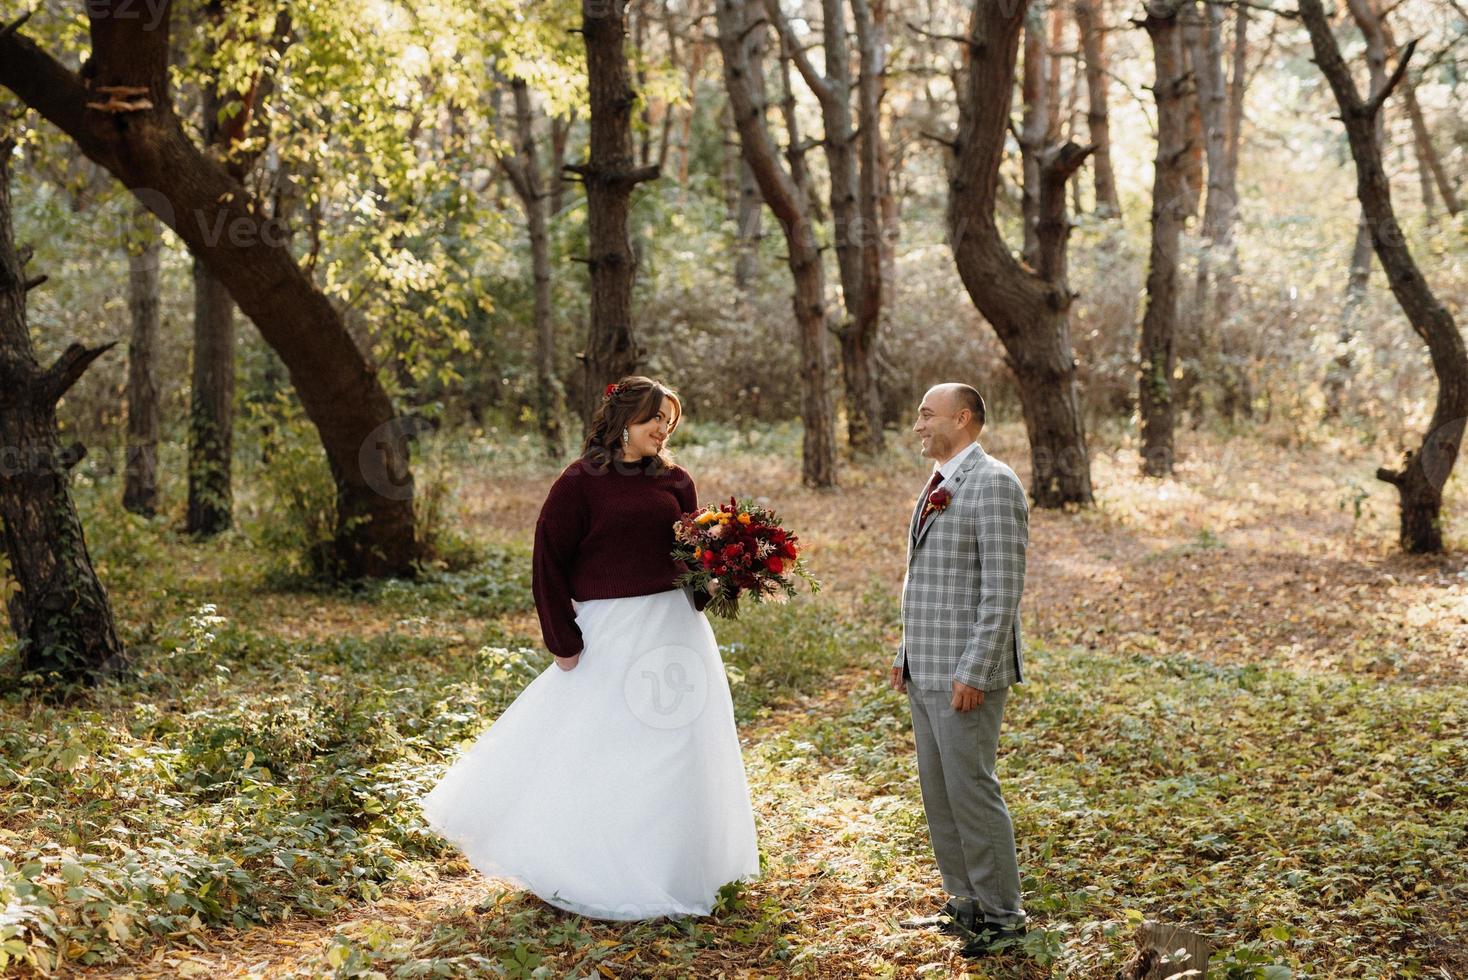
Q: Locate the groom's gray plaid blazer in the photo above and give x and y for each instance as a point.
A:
(965, 574)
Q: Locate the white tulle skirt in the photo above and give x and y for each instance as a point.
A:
(615, 790)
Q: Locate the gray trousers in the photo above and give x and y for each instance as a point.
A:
(973, 837)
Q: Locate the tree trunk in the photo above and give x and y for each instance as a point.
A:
(786, 194)
(60, 613)
(1091, 24)
(1213, 302)
(863, 393)
(1033, 129)
(560, 135)
(1028, 308)
(1420, 482)
(1169, 212)
(211, 406)
(854, 214)
(211, 397)
(751, 207)
(1358, 281)
(140, 480)
(1238, 85)
(610, 175)
(1193, 159)
(137, 136)
(525, 177)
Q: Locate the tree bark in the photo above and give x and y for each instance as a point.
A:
(1194, 160)
(524, 173)
(751, 207)
(60, 613)
(785, 191)
(863, 391)
(1238, 85)
(1034, 126)
(610, 175)
(1420, 482)
(211, 407)
(121, 116)
(1169, 212)
(211, 396)
(1028, 308)
(140, 480)
(1090, 22)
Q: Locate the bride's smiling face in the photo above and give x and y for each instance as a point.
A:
(647, 438)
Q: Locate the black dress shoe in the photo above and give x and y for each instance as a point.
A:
(991, 938)
(949, 920)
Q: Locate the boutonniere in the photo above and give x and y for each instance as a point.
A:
(938, 501)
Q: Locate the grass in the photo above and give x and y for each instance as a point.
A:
(246, 804)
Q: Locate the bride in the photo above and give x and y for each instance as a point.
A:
(613, 786)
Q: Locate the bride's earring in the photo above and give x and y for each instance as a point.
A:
(626, 437)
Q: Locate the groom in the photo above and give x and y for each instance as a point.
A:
(960, 652)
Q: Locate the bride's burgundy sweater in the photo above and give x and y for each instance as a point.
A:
(606, 532)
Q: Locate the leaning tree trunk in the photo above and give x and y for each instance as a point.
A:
(122, 118)
(60, 613)
(1091, 26)
(610, 175)
(785, 192)
(1169, 212)
(1420, 482)
(1028, 308)
(140, 473)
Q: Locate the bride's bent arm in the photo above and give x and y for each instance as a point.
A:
(558, 534)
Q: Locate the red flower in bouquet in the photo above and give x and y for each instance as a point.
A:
(738, 549)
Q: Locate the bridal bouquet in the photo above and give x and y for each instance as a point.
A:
(738, 548)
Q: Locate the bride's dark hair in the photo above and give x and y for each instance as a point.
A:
(633, 400)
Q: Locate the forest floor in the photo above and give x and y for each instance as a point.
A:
(1242, 713)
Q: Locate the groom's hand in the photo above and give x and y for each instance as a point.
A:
(568, 663)
(897, 681)
(966, 698)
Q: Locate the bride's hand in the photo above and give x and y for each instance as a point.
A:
(567, 663)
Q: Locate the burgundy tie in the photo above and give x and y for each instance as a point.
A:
(923, 502)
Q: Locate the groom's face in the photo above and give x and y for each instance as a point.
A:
(937, 425)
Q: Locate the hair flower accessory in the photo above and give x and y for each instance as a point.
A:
(611, 390)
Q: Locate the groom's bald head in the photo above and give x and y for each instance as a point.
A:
(950, 417)
(957, 397)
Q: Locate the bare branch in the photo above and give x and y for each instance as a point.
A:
(1374, 104)
(957, 38)
(70, 366)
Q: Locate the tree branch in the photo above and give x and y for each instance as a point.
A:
(1373, 105)
(15, 25)
(818, 83)
(70, 366)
